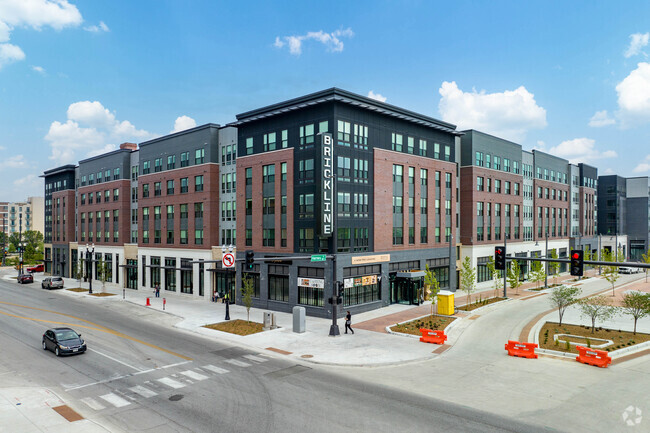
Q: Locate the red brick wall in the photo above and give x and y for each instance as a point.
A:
(256, 162)
(122, 205)
(550, 203)
(383, 199)
(64, 227)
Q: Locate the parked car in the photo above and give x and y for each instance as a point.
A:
(63, 341)
(37, 268)
(52, 283)
(25, 278)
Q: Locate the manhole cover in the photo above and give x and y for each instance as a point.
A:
(307, 356)
(176, 397)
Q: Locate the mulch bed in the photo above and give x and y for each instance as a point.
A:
(239, 327)
(480, 303)
(77, 289)
(99, 295)
(620, 338)
(430, 322)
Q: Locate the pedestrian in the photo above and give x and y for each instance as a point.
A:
(215, 297)
(157, 291)
(348, 322)
(225, 298)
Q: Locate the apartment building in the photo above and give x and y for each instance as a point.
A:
(25, 215)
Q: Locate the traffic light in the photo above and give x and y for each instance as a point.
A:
(500, 258)
(250, 260)
(576, 263)
(340, 290)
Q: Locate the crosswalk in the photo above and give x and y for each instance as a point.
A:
(150, 388)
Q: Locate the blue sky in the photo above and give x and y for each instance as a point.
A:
(79, 77)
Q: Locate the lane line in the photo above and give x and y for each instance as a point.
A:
(144, 392)
(255, 358)
(115, 400)
(171, 382)
(92, 403)
(114, 359)
(194, 375)
(238, 363)
(214, 369)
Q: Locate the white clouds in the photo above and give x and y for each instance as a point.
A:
(330, 40)
(580, 150)
(101, 27)
(86, 132)
(509, 114)
(10, 53)
(377, 96)
(16, 161)
(644, 166)
(601, 118)
(34, 14)
(634, 96)
(182, 123)
(29, 182)
(38, 69)
(637, 42)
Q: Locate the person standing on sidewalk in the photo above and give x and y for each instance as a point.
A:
(348, 322)
(157, 290)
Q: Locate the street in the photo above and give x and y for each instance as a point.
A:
(139, 374)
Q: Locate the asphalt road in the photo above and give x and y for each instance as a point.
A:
(140, 374)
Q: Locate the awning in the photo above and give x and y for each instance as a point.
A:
(410, 274)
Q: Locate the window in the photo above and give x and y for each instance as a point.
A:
(198, 183)
(479, 183)
(185, 159)
(116, 173)
(145, 190)
(157, 191)
(307, 135)
(268, 207)
(269, 141)
(506, 164)
(198, 210)
(156, 213)
(249, 146)
(268, 237)
(398, 207)
(107, 195)
(146, 167)
(83, 198)
(268, 173)
(99, 197)
(184, 185)
(285, 138)
(306, 206)
(183, 238)
(91, 179)
(157, 165)
(507, 187)
(90, 198)
(398, 237)
(396, 142)
(398, 173)
(497, 186)
(343, 133)
(183, 211)
(343, 168)
(249, 176)
(479, 159)
(198, 237)
(447, 153)
(343, 204)
(199, 156)
(423, 148)
(170, 187)
(497, 163)
(436, 150)
(487, 160)
(360, 136)
(410, 144)
(99, 177)
(171, 162)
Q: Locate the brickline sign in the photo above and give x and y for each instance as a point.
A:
(327, 184)
(362, 260)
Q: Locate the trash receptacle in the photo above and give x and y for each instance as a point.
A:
(446, 303)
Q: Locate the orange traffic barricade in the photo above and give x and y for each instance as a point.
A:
(522, 350)
(587, 355)
(430, 336)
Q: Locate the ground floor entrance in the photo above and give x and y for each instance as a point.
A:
(406, 287)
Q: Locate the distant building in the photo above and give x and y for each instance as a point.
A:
(27, 215)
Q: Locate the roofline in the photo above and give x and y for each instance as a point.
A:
(535, 151)
(58, 170)
(490, 135)
(113, 152)
(179, 133)
(340, 95)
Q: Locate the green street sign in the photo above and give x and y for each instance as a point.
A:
(318, 258)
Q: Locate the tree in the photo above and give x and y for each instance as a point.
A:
(611, 272)
(563, 296)
(554, 267)
(596, 308)
(513, 276)
(467, 278)
(103, 273)
(247, 292)
(637, 305)
(537, 273)
(432, 285)
(498, 284)
(79, 270)
(646, 259)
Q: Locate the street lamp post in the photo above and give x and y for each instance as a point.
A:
(546, 263)
(20, 242)
(63, 265)
(89, 266)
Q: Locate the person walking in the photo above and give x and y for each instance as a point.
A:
(157, 290)
(348, 322)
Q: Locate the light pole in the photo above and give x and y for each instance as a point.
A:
(20, 242)
(89, 266)
(546, 263)
(63, 265)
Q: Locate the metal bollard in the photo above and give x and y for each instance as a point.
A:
(164, 303)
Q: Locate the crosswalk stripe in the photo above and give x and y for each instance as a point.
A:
(115, 400)
(144, 392)
(171, 382)
(194, 375)
(92, 403)
(238, 363)
(255, 358)
(214, 369)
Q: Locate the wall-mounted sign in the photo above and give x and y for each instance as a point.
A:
(311, 282)
(362, 260)
(327, 185)
(360, 281)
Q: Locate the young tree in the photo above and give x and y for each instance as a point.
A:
(554, 267)
(537, 273)
(596, 308)
(646, 259)
(563, 296)
(637, 305)
(468, 278)
(103, 273)
(611, 272)
(432, 285)
(79, 270)
(498, 284)
(514, 271)
(247, 292)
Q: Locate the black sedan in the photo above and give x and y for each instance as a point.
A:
(63, 341)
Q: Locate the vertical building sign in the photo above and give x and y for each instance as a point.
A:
(327, 184)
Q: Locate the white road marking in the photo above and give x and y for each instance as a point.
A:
(171, 382)
(194, 375)
(116, 360)
(115, 400)
(238, 363)
(93, 404)
(215, 369)
(255, 358)
(124, 376)
(144, 392)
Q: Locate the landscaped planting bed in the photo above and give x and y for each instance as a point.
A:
(430, 322)
(584, 337)
(480, 303)
(239, 327)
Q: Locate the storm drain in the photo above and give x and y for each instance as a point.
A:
(176, 397)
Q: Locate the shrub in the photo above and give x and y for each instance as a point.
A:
(567, 345)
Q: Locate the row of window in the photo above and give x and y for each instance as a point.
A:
(398, 235)
(97, 196)
(492, 161)
(91, 179)
(485, 184)
(398, 144)
(199, 158)
(171, 187)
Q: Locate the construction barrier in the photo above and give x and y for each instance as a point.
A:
(522, 350)
(430, 336)
(599, 358)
